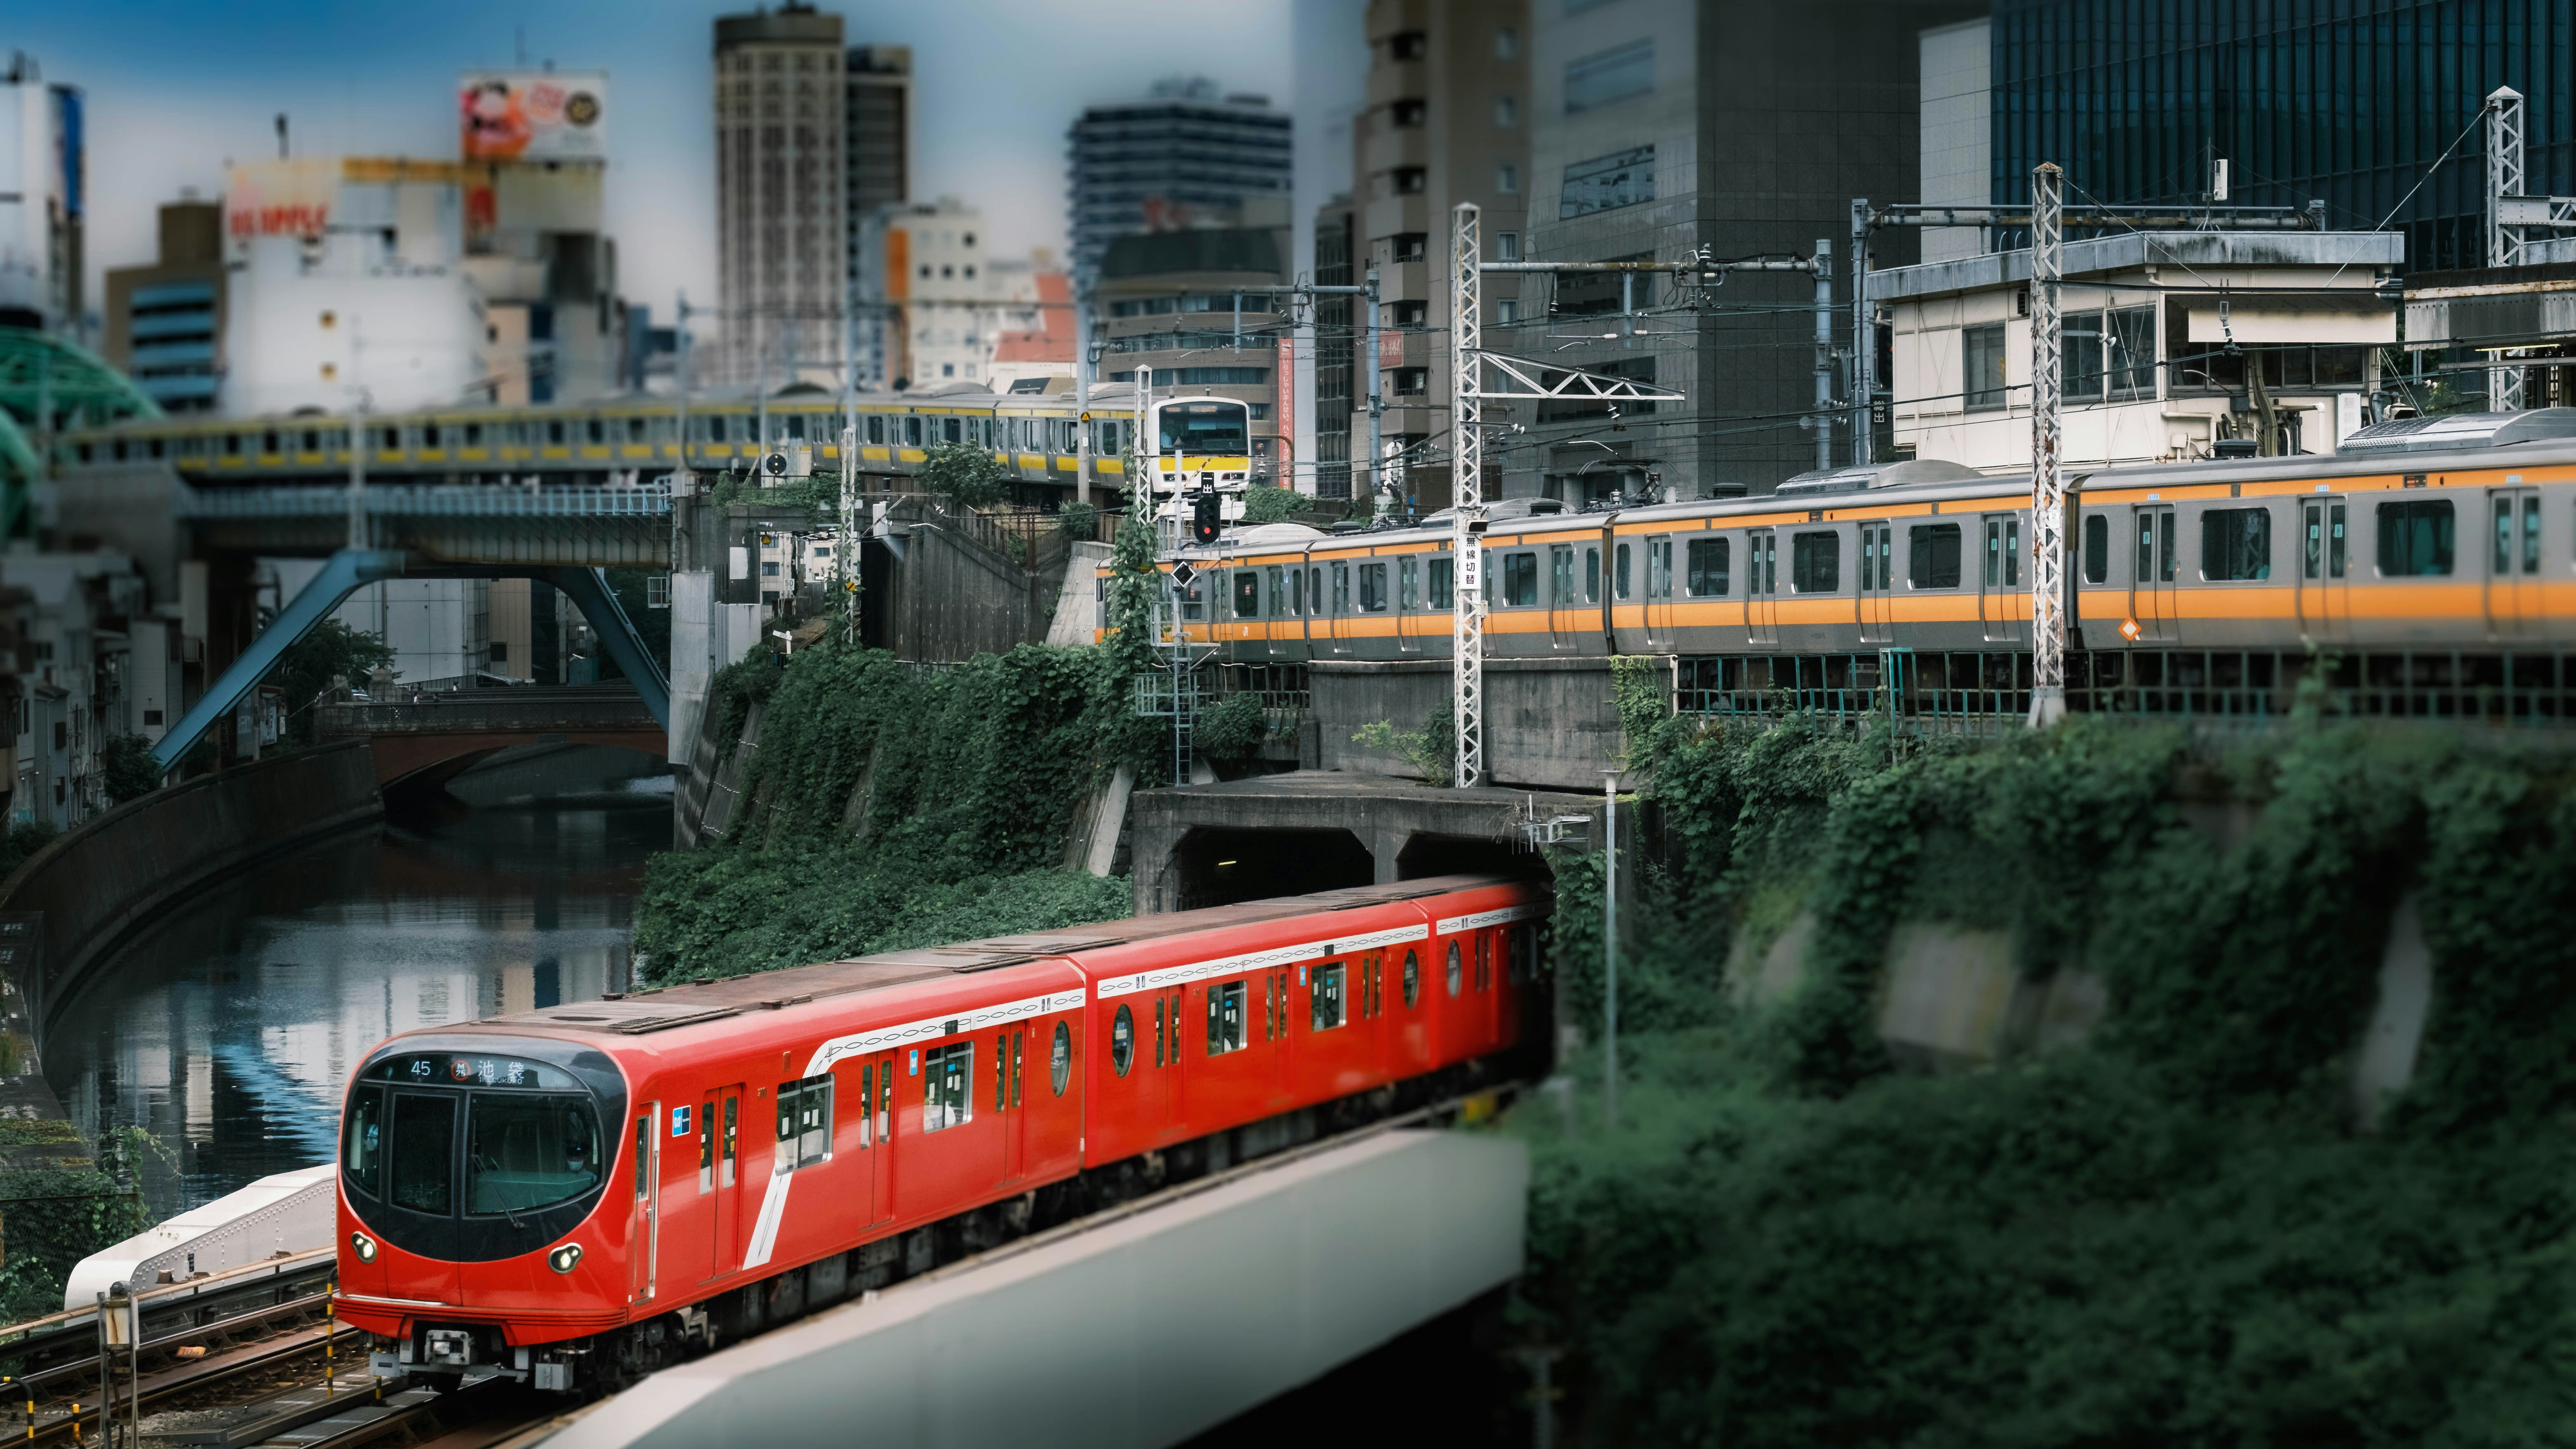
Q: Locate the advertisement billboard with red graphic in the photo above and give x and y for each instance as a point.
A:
(533, 115)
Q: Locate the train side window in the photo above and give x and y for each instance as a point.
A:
(2416, 540)
(1247, 594)
(1816, 563)
(706, 1152)
(1372, 588)
(597, 432)
(1456, 977)
(1710, 561)
(1441, 574)
(948, 1087)
(912, 432)
(1659, 568)
(1484, 961)
(867, 1097)
(1158, 1031)
(2236, 544)
(876, 428)
(1592, 574)
(2097, 548)
(1408, 584)
(1412, 980)
(1122, 1041)
(1002, 1071)
(1326, 1007)
(1060, 1058)
(804, 1122)
(1619, 572)
(1520, 579)
(1225, 1018)
(1341, 588)
(644, 1157)
(1194, 599)
(733, 1138)
(1524, 945)
(2505, 551)
(362, 1146)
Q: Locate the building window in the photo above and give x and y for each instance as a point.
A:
(1408, 114)
(1507, 111)
(1410, 45)
(1507, 310)
(1609, 77)
(1507, 44)
(1410, 246)
(500, 651)
(1412, 381)
(1981, 352)
(1604, 183)
(1412, 314)
(1507, 179)
(1411, 180)
(1507, 246)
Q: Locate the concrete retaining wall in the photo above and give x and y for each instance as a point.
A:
(98, 882)
(1550, 724)
(1138, 1333)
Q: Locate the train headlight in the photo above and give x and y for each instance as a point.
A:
(363, 1246)
(565, 1258)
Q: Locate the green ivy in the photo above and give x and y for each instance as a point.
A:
(886, 800)
(2178, 1232)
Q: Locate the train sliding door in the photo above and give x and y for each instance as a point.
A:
(2324, 561)
(643, 1221)
(1761, 587)
(2513, 563)
(2151, 581)
(2003, 598)
(720, 1177)
(1877, 570)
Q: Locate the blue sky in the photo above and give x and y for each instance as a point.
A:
(174, 89)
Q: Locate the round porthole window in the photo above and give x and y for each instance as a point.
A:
(1060, 1059)
(1122, 1041)
(1412, 980)
(1453, 968)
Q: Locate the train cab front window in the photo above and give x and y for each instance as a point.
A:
(423, 1175)
(525, 1151)
(1207, 428)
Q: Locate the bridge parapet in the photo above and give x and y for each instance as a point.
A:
(534, 707)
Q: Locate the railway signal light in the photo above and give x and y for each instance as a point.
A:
(1205, 521)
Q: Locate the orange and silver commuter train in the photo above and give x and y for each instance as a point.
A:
(2426, 534)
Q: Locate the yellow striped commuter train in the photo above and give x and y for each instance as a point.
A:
(1037, 435)
(2447, 541)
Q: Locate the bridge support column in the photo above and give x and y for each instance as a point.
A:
(348, 571)
(588, 590)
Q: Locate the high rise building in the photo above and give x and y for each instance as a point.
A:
(782, 225)
(1181, 155)
(1446, 121)
(43, 199)
(2350, 106)
(1195, 305)
(1663, 126)
(1340, 406)
(936, 291)
(877, 149)
(165, 321)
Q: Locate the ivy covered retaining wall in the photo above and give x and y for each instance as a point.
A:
(2176, 1188)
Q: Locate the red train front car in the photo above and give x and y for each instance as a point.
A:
(583, 1193)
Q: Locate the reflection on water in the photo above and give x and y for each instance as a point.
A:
(228, 1027)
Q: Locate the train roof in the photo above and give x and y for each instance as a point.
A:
(689, 1003)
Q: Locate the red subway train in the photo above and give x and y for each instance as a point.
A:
(582, 1193)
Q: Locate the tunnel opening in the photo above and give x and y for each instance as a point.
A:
(1429, 855)
(1222, 867)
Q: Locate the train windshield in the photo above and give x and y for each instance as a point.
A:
(529, 1132)
(1207, 428)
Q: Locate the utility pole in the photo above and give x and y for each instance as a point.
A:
(358, 530)
(2505, 177)
(1824, 414)
(1082, 365)
(1610, 947)
(1376, 400)
(1466, 482)
(1864, 343)
(2047, 480)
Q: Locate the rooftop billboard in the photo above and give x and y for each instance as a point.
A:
(510, 115)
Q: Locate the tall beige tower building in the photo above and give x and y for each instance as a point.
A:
(782, 240)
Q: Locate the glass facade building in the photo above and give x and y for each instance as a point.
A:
(2346, 101)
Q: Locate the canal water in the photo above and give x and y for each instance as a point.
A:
(227, 1027)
